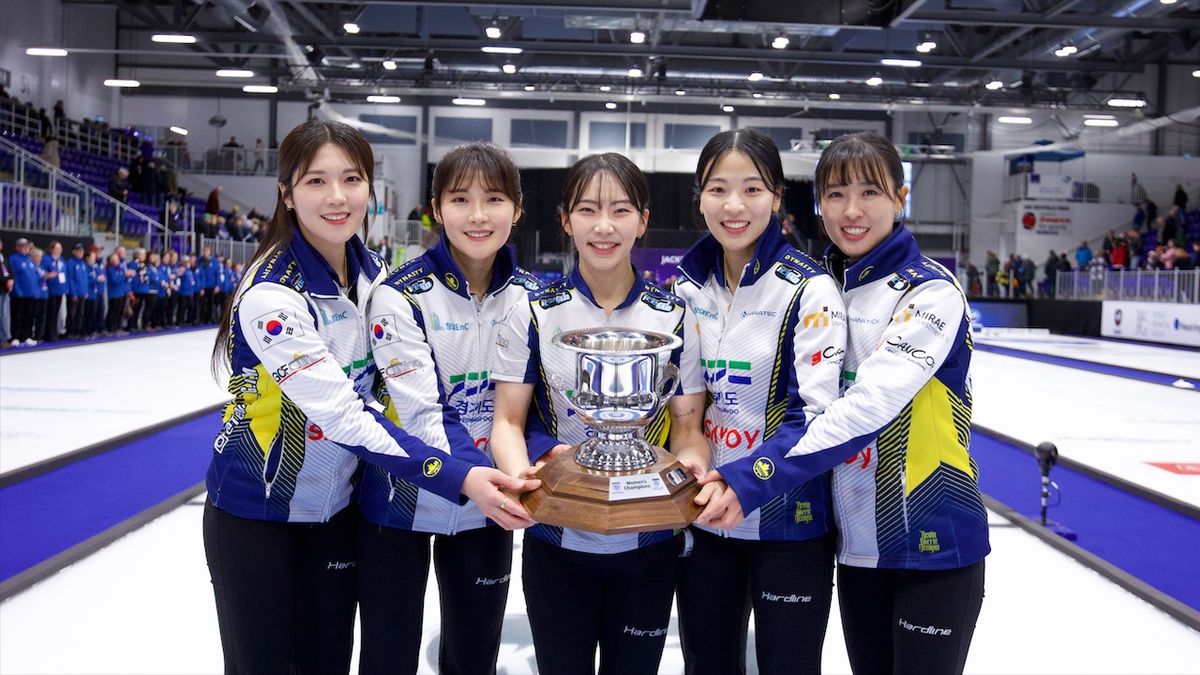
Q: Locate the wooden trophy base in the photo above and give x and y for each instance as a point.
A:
(658, 497)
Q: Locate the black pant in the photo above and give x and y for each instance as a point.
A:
(49, 327)
(116, 312)
(619, 601)
(909, 621)
(39, 317)
(284, 591)
(789, 585)
(473, 570)
(22, 317)
(184, 310)
(75, 312)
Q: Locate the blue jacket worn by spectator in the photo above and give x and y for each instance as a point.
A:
(140, 284)
(26, 277)
(96, 280)
(77, 278)
(118, 283)
(57, 284)
(227, 280)
(187, 282)
(212, 274)
(1083, 255)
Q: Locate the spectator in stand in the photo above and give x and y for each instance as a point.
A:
(252, 231)
(1154, 259)
(1110, 240)
(1118, 254)
(46, 129)
(165, 309)
(77, 291)
(50, 153)
(1064, 265)
(118, 185)
(227, 283)
(1195, 258)
(185, 314)
(60, 115)
(260, 156)
(6, 284)
(1173, 255)
(1050, 269)
(1003, 278)
(236, 224)
(140, 285)
(26, 280)
(1181, 198)
(1151, 210)
(1139, 216)
(991, 268)
(1169, 229)
(213, 205)
(974, 288)
(88, 321)
(1133, 239)
(1083, 255)
(54, 275)
(232, 143)
(218, 278)
(386, 251)
(152, 189)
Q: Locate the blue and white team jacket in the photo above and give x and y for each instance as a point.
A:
(301, 384)
(524, 354)
(772, 356)
(905, 488)
(432, 343)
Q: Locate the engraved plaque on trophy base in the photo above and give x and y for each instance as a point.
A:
(657, 497)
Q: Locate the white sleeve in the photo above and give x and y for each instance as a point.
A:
(515, 357)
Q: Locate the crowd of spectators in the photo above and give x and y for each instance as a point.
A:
(116, 295)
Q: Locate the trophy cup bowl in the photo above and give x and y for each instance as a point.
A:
(616, 482)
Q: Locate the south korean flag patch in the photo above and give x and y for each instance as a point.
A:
(277, 327)
(383, 330)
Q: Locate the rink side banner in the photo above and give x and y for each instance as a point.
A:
(1175, 324)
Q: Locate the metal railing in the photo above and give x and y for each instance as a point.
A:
(31, 209)
(1180, 286)
(90, 205)
(233, 250)
(22, 120)
(224, 161)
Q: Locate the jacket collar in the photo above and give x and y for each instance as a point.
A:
(883, 261)
(447, 272)
(706, 257)
(639, 285)
(320, 276)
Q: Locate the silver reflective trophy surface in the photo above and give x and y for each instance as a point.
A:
(623, 377)
(615, 481)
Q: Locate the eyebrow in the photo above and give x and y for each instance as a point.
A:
(322, 172)
(864, 182)
(597, 203)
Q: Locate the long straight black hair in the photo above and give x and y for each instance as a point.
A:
(296, 153)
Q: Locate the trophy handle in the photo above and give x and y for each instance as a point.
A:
(666, 388)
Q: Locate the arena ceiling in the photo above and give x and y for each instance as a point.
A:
(676, 54)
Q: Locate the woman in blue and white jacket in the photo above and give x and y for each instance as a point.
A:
(772, 336)
(279, 528)
(583, 589)
(913, 530)
(433, 325)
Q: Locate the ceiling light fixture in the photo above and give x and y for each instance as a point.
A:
(1127, 102)
(605, 88)
(1007, 119)
(902, 63)
(927, 44)
(382, 98)
(173, 38)
(1066, 50)
(635, 72)
(834, 96)
(493, 31)
(610, 105)
(637, 37)
(874, 81)
(681, 92)
(509, 68)
(993, 85)
(179, 130)
(234, 72)
(781, 42)
(260, 89)
(530, 87)
(727, 108)
(389, 65)
(469, 101)
(1101, 123)
(755, 76)
(351, 28)
(122, 83)
(500, 50)
(1196, 73)
(46, 51)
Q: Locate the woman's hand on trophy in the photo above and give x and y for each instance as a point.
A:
(545, 459)
(723, 509)
(696, 465)
(496, 495)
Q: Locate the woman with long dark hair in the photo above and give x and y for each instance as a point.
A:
(912, 528)
(279, 526)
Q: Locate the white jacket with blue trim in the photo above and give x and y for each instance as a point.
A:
(432, 344)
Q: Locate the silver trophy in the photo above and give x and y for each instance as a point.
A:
(615, 482)
(623, 377)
